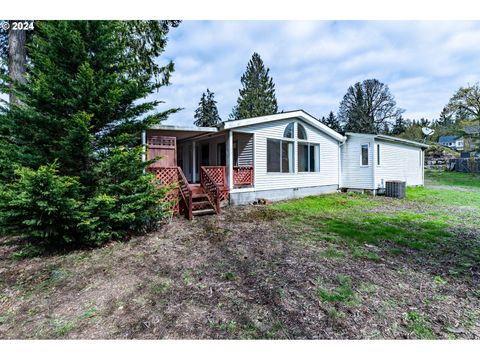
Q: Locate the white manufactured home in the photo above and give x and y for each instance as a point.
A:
(274, 157)
(368, 161)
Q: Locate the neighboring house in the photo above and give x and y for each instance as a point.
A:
(453, 142)
(368, 161)
(274, 157)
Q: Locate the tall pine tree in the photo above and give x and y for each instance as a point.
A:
(332, 122)
(400, 126)
(207, 112)
(78, 126)
(257, 96)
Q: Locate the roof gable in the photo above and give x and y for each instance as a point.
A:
(309, 119)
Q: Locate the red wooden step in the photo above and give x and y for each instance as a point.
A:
(203, 212)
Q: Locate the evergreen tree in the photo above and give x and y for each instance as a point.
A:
(81, 111)
(446, 118)
(399, 126)
(257, 96)
(332, 122)
(207, 112)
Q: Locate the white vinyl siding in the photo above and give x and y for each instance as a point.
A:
(399, 162)
(329, 157)
(387, 161)
(354, 175)
(245, 148)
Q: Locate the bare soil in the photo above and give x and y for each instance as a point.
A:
(242, 274)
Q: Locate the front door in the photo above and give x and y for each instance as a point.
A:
(205, 155)
(221, 154)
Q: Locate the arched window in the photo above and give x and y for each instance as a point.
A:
(288, 133)
(302, 134)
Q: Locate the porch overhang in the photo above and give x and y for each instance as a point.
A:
(183, 132)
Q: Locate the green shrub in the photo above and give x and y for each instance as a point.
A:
(126, 200)
(48, 208)
(41, 205)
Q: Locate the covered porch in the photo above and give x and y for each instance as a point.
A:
(202, 160)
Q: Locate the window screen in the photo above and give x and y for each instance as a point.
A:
(273, 155)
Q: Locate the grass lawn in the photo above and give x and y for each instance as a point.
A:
(334, 266)
(453, 178)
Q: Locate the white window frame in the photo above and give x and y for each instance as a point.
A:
(303, 142)
(368, 155)
(281, 141)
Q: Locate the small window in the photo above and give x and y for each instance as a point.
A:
(364, 156)
(378, 154)
(302, 134)
(288, 133)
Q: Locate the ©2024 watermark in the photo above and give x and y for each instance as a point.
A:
(17, 25)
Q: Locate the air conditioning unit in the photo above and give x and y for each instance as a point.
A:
(395, 188)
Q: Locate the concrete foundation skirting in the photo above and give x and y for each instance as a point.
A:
(280, 194)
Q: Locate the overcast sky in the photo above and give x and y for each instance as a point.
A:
(313, 63)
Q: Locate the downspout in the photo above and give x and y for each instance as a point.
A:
(374, 167)
(340, 162)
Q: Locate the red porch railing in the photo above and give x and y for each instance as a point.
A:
(218, 175)
(243, 175)
(211, 187)
(213, 180)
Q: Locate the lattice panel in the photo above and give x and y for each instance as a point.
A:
(168, 177)
(217, 173)
(224, 194)
(243, 175)
(162, 141)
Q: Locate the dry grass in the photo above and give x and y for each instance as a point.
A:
(252, 272)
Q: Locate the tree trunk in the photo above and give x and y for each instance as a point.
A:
(16, 59)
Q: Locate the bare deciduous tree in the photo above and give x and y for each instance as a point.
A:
(368, 107)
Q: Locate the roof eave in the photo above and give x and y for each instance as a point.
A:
(234, 124)
(184, 128)
(401, 141)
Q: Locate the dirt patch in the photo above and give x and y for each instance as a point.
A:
(243, 274)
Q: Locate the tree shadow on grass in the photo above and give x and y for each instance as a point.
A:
(430, 243)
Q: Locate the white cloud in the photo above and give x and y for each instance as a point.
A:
(313, 63)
